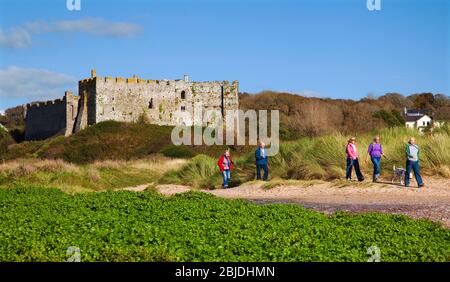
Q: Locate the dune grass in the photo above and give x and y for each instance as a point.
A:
(323, 158)
(289, 182)
(318, 158)
(72, 178)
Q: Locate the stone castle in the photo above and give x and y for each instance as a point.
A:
(160, 102)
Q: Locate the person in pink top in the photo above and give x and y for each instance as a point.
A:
(353, 160)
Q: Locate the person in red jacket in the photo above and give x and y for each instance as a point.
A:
(226, 165)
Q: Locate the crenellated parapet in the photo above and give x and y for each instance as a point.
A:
(131, 80)
(56, 102)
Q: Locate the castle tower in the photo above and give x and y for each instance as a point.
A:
(93, 73)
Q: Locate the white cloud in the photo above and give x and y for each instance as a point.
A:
(21, 36)
(18, 37)
(36, 84)
(2, 112)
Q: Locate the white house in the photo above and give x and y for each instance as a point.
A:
(418, 122)
(417, 119)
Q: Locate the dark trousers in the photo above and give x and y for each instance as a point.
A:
(376, 161)
(350, 164)
(258, 172)
(414, 166)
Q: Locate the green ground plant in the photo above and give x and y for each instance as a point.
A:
(41, 224)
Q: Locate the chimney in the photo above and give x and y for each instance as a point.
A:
(186, 78)
(93, 73)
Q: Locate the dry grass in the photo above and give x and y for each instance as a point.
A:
(290, 182)
(98, 176)
(157, 163)
(341, 183)
(23, 167)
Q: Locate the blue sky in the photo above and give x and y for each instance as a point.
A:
(334, 48)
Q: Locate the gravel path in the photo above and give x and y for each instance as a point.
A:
(432, 202)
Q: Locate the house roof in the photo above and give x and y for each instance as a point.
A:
(416, 112)
(414, 118)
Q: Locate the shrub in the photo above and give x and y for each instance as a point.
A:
(392, 118)
(173, 151)
(201, 172)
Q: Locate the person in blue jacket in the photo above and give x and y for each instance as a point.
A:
(261, 162)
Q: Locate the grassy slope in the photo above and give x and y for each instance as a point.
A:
(109, 140)
(40, 225)
(81, 178)
(5, 141)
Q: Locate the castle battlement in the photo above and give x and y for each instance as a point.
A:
(46, 103)
(110, 79)
(137, 80)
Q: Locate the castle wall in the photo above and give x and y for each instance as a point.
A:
(44, 120)
(88, 107)
(163, 102)
(72, 108)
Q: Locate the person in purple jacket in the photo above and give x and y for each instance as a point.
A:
(375, 152)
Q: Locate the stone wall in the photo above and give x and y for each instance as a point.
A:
(72, 108)
(44, 120)
(162, 102)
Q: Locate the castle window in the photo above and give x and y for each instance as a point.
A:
(113, 108)
(183, 94)
(183, 108)
(150, 104)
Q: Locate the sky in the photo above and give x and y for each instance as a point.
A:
(333, 49)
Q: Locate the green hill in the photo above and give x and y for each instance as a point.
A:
(108, 140)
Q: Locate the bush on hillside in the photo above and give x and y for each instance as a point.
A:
(173, 151)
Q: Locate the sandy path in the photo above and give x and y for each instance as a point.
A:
(432, 202)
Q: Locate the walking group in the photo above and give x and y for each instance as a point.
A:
(226, 164)
(374, 153)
